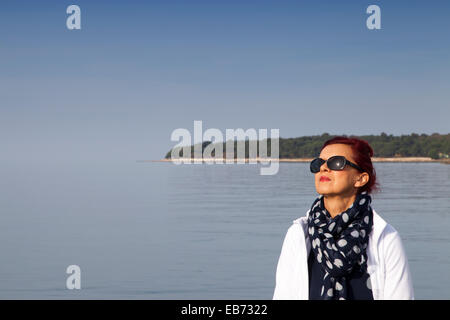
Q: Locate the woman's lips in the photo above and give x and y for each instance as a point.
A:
(323, 178)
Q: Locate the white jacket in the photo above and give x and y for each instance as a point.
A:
(387, 264)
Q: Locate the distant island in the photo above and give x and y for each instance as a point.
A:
(415, 147)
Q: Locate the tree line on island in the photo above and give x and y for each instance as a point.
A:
(436, 146)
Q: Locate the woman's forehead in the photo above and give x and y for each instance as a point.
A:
(337, 149)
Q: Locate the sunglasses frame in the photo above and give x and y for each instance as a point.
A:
(346, 162)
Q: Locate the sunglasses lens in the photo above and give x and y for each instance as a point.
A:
(316, 164)
(336, 163)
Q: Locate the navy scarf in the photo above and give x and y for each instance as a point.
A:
(340, 243)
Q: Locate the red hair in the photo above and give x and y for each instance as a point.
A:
(362, 153)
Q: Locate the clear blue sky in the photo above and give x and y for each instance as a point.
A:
(137, 70)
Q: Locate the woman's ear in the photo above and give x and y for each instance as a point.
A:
(361, 180)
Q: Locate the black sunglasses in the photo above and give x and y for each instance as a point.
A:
(333, 163)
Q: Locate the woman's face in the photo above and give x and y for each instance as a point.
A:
(341, 183)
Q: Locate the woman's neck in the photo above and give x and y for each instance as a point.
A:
(338, 204)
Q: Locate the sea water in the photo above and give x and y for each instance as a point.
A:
(145, 230)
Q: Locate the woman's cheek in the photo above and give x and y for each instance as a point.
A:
(343, 182)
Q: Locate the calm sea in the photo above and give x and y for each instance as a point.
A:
(161, 231)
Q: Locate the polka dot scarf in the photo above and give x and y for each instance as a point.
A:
(340, 243)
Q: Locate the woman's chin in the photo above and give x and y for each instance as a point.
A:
(324, 190)
(327, 191)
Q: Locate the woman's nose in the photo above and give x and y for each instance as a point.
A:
(324, 168)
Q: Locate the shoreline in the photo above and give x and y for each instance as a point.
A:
(303, 160)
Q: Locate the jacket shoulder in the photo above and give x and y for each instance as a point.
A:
(379, 226)
(382, 227)
(398, 281)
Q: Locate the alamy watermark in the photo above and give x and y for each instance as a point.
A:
(373, 22)
(74, 280)
(210, 152)
(73, 21)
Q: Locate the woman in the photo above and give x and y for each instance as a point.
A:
(342, 249)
